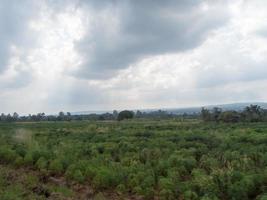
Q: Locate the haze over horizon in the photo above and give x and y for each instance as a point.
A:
(77, 55)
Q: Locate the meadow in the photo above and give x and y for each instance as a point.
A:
(133, 159)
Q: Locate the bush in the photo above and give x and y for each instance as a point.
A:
(166, 194)
(73, 172)
(28, 159)
(166, 184)
(19, 161)
(20, 150)
(42, 163)
(12, 193)
(190, 195)
(7, 155)
(104, 179)
(183, 162)
(148, 181)
(56, 166)
(78, 176)
(70, 171)
(148, 193)
(90, 171)
(203, 183)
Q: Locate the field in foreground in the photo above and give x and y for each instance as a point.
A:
(133, 160)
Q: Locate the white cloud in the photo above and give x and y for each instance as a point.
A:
(225, 63)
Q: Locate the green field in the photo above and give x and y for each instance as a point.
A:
(134, 159)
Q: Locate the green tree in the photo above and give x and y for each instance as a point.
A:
(230, 116)
(125, 114)
(216, 114)
(253, 113)
(205, 114)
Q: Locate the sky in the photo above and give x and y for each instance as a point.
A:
(81, 55)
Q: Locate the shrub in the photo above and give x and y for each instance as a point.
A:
(41, 164)
(90, 171)
(7, 155)
(35, 155)
(28, 159)
(12, 193)
(66, 160)
(70, 171)
(19, 161)
(166, 194)
(190, 195)
(104, 179)
(179, 161)
(133, 182)
(78, 176)
(148, 182)
(56, 166)
(148, 193)
(20, 150)
(166, 184)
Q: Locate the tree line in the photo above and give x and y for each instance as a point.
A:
(252, 113)
(61, 116)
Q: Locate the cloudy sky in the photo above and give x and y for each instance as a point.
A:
(75, 55)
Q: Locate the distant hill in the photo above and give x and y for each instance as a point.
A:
(189, 110)
(89, 112)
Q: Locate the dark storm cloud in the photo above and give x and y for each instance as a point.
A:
(14, 25)
(145, 28)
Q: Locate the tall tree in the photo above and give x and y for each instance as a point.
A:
(205, 114)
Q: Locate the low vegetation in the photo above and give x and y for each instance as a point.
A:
(137, 159)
